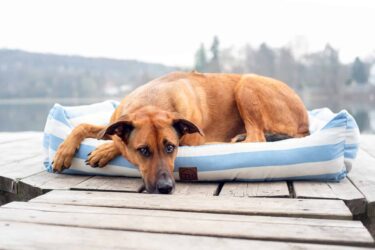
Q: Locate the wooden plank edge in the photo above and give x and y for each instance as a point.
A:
(74, 198)
(14, 237)
(37, 217)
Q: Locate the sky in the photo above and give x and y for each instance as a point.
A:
(170, 31)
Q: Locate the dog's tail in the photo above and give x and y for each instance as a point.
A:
(276, 137)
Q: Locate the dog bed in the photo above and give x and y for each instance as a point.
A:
(326, 155)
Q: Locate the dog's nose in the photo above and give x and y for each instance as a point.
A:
(165, 184)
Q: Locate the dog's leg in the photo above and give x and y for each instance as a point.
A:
(65, 152)
(249, 107)
(192, 140)
(102, 155)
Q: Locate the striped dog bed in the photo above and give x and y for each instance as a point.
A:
(326, 155)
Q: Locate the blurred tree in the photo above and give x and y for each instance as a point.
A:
(215, 48)
(249, 58)
(359, 71)
(286, 68)
(214, 65)
(201, 59)
(323, 70)
(265, 61)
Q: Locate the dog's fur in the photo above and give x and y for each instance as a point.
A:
(189, 109)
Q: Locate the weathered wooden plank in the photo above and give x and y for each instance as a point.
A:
(11, 173)
(200, 189)
(334, 209)
(219, 225)
(49, 181)
(20, 156)
(15, 235)
(180, 214)
(363, 177)
(111, 184)
(258, 189)
(26, 144)
(6, 137)
(42, 182)
(343, 190)
(20, 150)
(367, 143)
(23, 168)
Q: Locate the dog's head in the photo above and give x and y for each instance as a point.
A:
(149, 139)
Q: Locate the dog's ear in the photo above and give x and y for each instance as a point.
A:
(121, 128)
(183, 126)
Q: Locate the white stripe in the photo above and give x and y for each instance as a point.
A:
(100, 114)
(264, 172)
(57, 128)
(79, 164)
(324, 137)
(99, 118)
(304, 169)
(352, 136)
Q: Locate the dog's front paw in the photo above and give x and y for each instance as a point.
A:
(63, 157)
(102, 155)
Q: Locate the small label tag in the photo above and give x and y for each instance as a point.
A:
(188, 174)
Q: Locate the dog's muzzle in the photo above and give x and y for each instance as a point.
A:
(165, 184)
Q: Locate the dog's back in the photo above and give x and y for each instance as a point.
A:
(214, 101)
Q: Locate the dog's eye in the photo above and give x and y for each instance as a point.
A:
(169, 148)
(145, 151)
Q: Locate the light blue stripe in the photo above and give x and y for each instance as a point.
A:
(340, 120)
(45, 140)
(235, 160)
(335, 177)
(58, 114)
(351, 151)
(264, 158)
(321, 153)
(351, 124)
(84, 150)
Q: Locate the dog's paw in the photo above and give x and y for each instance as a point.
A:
(102, 155)
(238, 138)
(63, 157)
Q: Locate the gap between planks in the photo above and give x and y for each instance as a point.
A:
(343, 190)
(124, 184)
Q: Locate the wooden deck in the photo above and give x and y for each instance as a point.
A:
(51, 211)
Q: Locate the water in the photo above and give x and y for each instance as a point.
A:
(31, 115)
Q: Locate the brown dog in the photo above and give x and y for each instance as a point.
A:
(189, 109)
